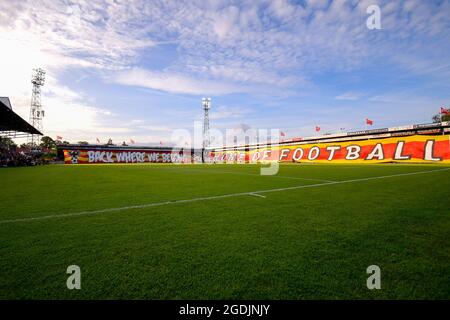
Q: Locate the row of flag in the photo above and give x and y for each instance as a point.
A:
(131, 141)
(59, 138)
(443, 111)
(317, 128)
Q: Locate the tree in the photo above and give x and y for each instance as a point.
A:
(47, 142)
(59, 142)
(7, 143)
(28, 145)
(441, 117)
(84, 143)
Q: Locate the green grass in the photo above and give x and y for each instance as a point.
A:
(310, 243)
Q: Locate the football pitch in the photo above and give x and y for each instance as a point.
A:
(225, 231)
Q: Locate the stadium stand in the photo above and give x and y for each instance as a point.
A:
(438, 128)
(413, 143)
(13, 126)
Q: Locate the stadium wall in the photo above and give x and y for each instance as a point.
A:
(423, 143)
(92, 154)
(399, 149)
(428, 143)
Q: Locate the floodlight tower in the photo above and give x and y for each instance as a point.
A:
(36, 112)
(206, 103)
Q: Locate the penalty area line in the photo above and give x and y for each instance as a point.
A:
(251, 193)
(256, 195)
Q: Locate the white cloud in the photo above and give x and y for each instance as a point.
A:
(282, 8)
(225, 22)
(230, 43)
(226, 112)
(155, 128)
(86, 33)
(56, 38)
(176, 83)
(352, 96)
(65, 109)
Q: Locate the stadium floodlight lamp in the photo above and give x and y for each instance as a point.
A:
(206, 102)
(38, 77)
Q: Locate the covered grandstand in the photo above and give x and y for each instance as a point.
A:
(11, 124)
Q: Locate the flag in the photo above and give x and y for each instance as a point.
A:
(58, 138)
(131, 141)
(282, 134)
(369, 122)
(98, 140)
(317, 128)
(161, 143)
(445, 111)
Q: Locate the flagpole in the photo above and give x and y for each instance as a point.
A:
(367, 127)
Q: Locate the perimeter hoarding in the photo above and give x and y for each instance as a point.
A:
(415, 148)
(99, 156)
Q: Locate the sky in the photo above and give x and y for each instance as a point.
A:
(138, 69)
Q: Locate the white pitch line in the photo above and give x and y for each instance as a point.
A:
(256, 195)
(251, 193)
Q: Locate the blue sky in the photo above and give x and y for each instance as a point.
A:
(138, 69)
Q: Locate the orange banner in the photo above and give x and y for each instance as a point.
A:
(416, 148)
